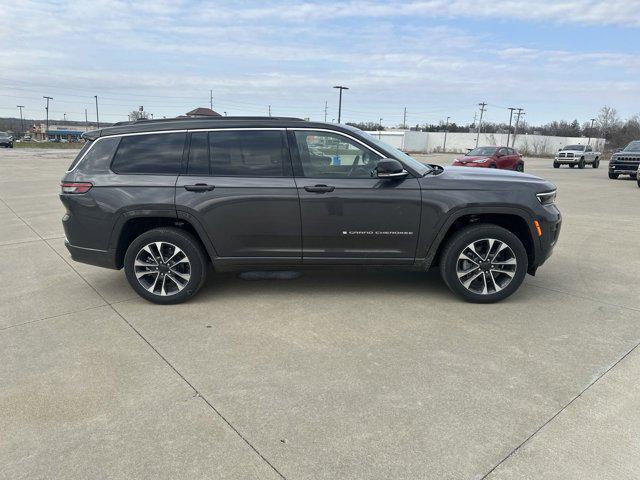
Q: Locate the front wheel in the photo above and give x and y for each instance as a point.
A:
(520, 167)
(596, 163)
(484, 263)
(613, 176)
(165, 265)
(571, 165)
(581, 164)
(556, 165)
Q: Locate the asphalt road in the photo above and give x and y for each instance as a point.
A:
(328, 376)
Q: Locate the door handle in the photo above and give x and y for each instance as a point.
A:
(320, 188)
(199, 187)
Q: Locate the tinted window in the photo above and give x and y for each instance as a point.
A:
(199, 154)
(503, 151)
(82, 151)
(248, 153)
(99, 156)
(159, 153)
(324, 154)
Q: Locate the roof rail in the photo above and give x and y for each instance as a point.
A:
(194, 119)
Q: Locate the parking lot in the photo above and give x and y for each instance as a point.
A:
(331, 375)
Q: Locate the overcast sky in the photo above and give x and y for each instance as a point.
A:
(438, 58)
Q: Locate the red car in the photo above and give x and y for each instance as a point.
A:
(505, 158)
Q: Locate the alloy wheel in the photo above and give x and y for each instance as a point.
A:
(486, 266)
(162, 268)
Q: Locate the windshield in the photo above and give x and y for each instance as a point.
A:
(574, 147)
(421, 168)
(633, 147)
(481, 152)
(4, 134)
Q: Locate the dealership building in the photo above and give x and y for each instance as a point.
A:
(70, 133)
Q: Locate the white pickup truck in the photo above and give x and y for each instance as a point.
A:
(579, 155)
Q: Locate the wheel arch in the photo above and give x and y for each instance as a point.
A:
(134, 223)
(517, 221)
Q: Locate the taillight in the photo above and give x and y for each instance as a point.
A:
(75, 187)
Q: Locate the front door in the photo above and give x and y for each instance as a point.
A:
(349, 215)
(239, 185)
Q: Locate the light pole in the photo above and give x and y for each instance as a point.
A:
(21, 120)
(341, 88)
(47, 110)
(97, 115)
(591, 131)
(446, 128)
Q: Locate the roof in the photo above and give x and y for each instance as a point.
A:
(203, 112)
(194, 123)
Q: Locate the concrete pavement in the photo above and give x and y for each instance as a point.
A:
(331, 375)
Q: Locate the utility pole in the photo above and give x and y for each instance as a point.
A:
(325, 111)
(404, 119)
(64, 116)
(211, 99)
(341, 88)
(515, 131)
(511, 109)
(482, 105)
(269, 110)
(86, 120)
(97, 115)
(21, 120)
(446, 129)
(47, 110)
(591, 131)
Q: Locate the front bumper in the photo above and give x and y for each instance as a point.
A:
(470, 164)
(550, 221)
(623, 168)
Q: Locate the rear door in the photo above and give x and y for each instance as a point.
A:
(238, 184)
(348, 214)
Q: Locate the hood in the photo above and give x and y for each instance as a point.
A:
(467, 159)
(579, 152)
(469, 178)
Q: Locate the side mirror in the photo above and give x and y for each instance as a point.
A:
(390, 168)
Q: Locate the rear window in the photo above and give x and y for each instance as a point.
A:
(81, 153)
(154, 154)
(238, 153)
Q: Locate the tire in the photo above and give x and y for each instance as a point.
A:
(520, 167)
(480, 235)
(556, 165)
(581, 164)
(596, 163)
(193, 271)
(613, 176)
(493, 165)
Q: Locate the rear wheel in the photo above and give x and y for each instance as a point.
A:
(484, 263)
(613, 176)
(165, 265)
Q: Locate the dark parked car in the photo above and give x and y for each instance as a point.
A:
(626, 161)
(6, 140)
(491, 157)
(166, 198)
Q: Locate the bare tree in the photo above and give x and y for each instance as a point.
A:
(608, 120)
(138, 115)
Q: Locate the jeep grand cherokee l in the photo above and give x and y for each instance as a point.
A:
(163, 199)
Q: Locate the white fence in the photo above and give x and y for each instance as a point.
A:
(429, 142)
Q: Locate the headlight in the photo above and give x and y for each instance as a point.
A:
(547, 198)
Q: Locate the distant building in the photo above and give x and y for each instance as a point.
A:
(67, 132)
(202, 112)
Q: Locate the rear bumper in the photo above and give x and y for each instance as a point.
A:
(99, 258)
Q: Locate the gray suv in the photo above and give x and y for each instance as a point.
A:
(165, 199)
